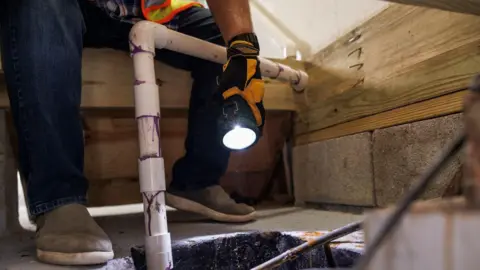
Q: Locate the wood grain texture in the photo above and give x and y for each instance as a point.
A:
(461, 6)
(111, 154)
(114, 192)
(402, 56)
(448, 104)
(108, 83)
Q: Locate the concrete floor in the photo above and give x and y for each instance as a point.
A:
(17, 252)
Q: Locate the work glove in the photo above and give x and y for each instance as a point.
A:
(241, 75)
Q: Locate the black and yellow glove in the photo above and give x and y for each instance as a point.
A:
(242, 78)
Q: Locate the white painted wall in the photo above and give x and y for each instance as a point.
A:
(308, 25)
(319, 22)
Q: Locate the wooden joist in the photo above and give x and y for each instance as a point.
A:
(400, 57)
(444, 105)
(462, 6)
(108, 83)
(111, 155)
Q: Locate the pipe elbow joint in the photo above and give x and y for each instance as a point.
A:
(145, 36)
(302, 81)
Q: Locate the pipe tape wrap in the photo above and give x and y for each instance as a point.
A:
(147, 99)
(152, 174)
(158, 249)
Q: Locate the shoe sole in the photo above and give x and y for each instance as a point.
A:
(191, 206)
(81, 258)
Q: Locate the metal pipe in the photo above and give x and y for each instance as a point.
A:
(293, 253)
(145, 37)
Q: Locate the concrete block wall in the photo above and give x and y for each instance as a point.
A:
(337, 171)
(375, 168)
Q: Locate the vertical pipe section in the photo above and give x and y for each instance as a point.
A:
(150, 163)
(145, 36)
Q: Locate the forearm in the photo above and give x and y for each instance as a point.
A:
(232, 16)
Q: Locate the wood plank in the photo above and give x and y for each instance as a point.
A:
(401, 56)
(114, 192)
(111, 153)
(461, 6)
(444, 105)
(108, 83)
(111, 145)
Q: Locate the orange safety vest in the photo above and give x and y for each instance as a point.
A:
(162, 11)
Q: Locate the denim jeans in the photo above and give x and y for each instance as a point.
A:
(41, 48)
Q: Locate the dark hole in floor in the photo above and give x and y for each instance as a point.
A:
(247, 250)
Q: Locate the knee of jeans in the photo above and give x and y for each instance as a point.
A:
(68, 12)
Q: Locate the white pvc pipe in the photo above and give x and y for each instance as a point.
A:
(145, 37)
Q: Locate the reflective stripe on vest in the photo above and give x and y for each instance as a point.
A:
(162, 11)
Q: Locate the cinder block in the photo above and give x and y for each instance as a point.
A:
(337, 171)
(403, 153)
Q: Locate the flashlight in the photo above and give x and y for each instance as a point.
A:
(238, 128)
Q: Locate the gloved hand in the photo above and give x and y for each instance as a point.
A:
(241, 75)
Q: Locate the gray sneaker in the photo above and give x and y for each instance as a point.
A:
(212, 202)
(68, 235)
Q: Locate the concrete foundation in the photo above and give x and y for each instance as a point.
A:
(376, 169)
(337, 171)
(17, 251)
(402, 154)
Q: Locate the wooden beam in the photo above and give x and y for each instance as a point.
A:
(108, 79)
(461, 6)
(444, 105)
(111, 153)
(402, 56)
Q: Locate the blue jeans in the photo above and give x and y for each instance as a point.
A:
(41, 43)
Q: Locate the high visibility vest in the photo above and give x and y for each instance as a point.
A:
(162, 11)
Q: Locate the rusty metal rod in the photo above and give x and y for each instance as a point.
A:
(292, 254)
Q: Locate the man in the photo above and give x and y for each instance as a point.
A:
(41, 52)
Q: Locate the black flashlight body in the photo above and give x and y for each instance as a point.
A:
(237, 113)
